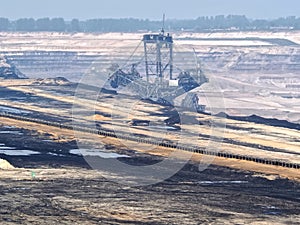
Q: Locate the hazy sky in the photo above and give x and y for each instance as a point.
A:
(152, 9)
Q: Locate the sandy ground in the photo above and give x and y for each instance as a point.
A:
(238, 137)
(55, 186)
(81, 196)
(62, 135)
(61, 188)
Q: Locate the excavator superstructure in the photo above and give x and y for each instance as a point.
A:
(159, 80)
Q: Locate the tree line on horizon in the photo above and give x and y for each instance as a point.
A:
(205, 23)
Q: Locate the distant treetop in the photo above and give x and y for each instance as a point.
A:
(200, 24)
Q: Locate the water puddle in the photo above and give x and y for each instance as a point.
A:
(18, 152)
(11, 132)
(12, 151)
(13, 110)
(55, 154)
(97, 152)
(223, 182)
(154, 128)
(3, 147)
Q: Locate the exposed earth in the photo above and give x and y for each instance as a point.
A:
(44, 178)
(50, 183)
(61, 188)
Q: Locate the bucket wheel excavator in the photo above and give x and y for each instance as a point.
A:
(158, 79)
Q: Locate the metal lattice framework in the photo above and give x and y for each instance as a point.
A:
(158, 50)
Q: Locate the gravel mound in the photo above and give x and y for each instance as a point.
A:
(5, 165)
